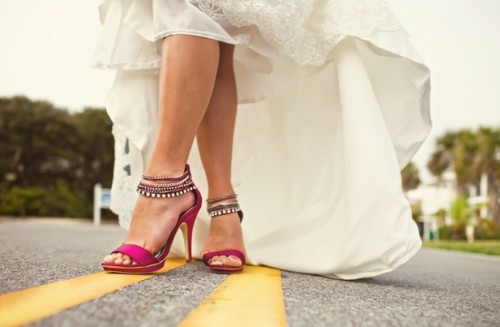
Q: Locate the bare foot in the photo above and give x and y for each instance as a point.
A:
(152, 223)
(225, 234)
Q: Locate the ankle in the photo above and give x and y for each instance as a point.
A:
(220, 190)
(166, 186)
(164, 171)
(167, 170)
(224, 205)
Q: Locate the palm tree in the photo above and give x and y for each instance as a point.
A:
(488, 161)
(470, 154)
(410, 177)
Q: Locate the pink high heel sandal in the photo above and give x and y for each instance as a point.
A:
(223, 206)
(166, 187)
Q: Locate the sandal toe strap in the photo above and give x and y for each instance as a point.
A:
(142, 256)
(209, 255)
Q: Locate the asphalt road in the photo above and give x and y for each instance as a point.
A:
(436, 288)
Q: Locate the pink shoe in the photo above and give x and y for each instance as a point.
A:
(224, 269)
(218, 207)
(145, 261)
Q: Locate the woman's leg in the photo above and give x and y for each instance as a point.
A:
(187, 76)
(215, 142)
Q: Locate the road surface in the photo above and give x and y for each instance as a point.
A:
(436, 288)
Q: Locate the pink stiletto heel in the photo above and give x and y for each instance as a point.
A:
(169, 187)
(187, 232)
(223, 206)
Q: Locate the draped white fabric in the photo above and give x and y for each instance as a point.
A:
(333, 102)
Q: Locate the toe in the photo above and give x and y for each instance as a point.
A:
(216, 261)
(108, 258)
(118, 258)
(126, 260)
(233, 261)
(223, 260)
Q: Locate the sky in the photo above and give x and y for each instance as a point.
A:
(460, 41)
(46, 46)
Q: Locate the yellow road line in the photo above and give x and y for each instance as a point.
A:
(252, 298)
(25, 306)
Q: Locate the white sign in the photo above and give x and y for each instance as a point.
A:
(102, 200)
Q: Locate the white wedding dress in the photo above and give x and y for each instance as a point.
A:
(333, 102)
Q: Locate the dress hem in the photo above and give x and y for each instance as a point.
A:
(202, 34)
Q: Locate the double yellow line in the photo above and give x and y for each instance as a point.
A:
(253, 298)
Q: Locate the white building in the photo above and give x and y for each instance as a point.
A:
(440, 194)
(433, 197)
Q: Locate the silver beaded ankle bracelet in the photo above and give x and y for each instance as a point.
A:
(166, 187)
(228, 205)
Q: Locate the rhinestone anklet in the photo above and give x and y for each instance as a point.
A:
(167, 187)
(224, 208)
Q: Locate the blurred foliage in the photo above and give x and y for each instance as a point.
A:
(416, 211)
(21, 201)
(51, 159)
(410, 177)
(452, 232)
(486, 229)
(470, 154)
(485, 247)
(460, 210)
(461, 214)
(441, 216)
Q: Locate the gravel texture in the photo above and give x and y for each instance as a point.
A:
(436, 288)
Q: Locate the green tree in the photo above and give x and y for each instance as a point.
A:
(95, 149)
(456, 150)
(470, 154)
(410, 177)
(488, 162)
(38, 142)
(47, 149)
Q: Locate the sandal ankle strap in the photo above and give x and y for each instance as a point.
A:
(167, 187)
(222, 198)
(224, 208)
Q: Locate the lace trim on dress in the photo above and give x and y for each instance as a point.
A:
(125, 178)
(304, 31)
